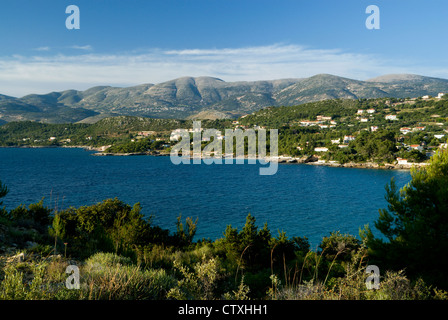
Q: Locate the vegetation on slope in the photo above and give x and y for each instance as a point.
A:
(375, 138)
(122, 255)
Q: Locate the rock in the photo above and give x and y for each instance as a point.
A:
(311, 159)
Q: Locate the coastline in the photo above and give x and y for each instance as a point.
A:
(309, 160)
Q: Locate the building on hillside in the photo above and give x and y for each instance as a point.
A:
(419, 128)
(321, 149)
(440, 95)
(373, 128)
(402, 161)
(371, 111)
(347, 139)
(439, 136)
(405, 130)
(306, 123)
(392, 117)
(416, 147)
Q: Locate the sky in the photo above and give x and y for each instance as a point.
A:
(126, 43)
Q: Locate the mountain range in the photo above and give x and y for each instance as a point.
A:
(207, 97)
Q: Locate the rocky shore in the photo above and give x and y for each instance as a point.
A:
(310, 160)
(369, 165)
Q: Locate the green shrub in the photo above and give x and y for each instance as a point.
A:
(199, 283)
(113, 277)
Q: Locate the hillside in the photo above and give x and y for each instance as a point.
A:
(207, 97)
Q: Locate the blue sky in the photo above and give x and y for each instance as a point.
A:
(123, 43)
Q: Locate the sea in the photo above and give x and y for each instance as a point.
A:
(301, 200)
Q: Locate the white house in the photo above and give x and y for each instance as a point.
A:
(347, 139)
(364, 120)
(425, 97)
(440, 95)
(392, 117)
(321, 149)
(439, 136)
(336, 141)
(341, 146)
(360, 111)
(405, 130)
(374, 128)
(416, 147)
(402, 161)
(307, 123)
(371, 111)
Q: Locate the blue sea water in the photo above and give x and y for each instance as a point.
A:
(302, 200)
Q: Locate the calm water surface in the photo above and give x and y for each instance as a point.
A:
(301, 200)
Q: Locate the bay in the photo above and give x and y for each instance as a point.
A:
(302, 200)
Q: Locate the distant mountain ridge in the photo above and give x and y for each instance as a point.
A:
(190, 97)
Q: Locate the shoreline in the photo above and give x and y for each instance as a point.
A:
(309, 160)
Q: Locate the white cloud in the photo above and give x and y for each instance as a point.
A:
(85, 48)
(42, 49)
(20, 75)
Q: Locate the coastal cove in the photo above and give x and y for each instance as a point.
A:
(302, 200)
(309, 160)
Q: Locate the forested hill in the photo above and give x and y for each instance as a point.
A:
(342, 130)
(207, 97)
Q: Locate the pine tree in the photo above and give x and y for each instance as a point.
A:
(415, 224)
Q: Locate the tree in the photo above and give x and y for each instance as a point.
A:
(3, 191)
(58, 229)
(415, 224)
(185, 234)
